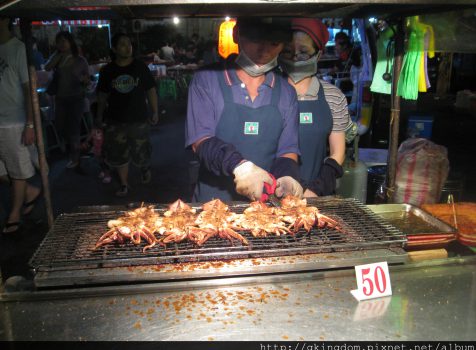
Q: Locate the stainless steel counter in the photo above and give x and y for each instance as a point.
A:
(434, 300)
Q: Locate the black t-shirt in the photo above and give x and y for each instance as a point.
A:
(127, 87)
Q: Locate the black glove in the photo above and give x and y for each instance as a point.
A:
(325, 184)
(219, 157)
(283, 166)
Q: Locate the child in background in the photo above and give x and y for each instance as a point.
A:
(97, 140)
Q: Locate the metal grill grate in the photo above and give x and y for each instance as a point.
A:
(68, 245)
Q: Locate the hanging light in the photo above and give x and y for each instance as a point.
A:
(226, 45)
(176, 20)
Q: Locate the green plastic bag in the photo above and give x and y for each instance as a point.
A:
(384, 63)
(407, 86)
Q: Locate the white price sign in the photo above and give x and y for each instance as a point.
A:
(373, 281)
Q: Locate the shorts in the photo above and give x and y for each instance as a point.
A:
(16, 160)
(125, 142)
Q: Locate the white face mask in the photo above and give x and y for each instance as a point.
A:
(298, 70)
(252, 68)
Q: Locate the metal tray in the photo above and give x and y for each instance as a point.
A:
(423, 230)
(411, 220)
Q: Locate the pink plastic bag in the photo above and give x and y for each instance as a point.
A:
(422, 169)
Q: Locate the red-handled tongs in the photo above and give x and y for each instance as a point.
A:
(268, 193)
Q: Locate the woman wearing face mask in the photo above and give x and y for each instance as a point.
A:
(323, 114)
(242, 118)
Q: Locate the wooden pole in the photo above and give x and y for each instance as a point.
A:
(25, 26)
(395, 113)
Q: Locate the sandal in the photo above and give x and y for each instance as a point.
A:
(11, 224)
(29, 206)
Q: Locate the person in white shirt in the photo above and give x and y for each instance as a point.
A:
(17, 134)
(167, 53)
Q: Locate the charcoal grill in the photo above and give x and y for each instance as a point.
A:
(66, 255)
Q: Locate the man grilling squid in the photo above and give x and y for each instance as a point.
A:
(242, 118)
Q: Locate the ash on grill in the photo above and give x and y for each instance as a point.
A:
(70, 243)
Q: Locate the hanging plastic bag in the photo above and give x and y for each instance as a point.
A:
(422, 169)
(410, 74)
(385, 53)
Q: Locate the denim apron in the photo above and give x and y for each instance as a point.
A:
(315, 125)
(255, 133)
